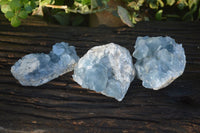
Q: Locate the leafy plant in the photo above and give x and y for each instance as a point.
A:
(15, 10)
(130, 13)
(166, 9)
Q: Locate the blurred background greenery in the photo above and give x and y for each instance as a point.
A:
(97, 12)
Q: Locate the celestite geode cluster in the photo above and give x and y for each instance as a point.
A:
(40, 68)
(160, 60)
(107, 69)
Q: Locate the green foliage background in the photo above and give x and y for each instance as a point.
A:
(72, 12)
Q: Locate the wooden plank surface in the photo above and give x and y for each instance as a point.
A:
(63, 106)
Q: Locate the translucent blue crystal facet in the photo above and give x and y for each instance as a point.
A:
(37, 69)
(160, 60)
(107, 69)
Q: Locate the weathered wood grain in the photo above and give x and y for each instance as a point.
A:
(63, 106)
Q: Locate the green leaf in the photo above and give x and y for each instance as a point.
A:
(79, 1)
(136, 6)
(134, 17)
(5, 8)
(160, 2)
(140, 2)
(62, 18)
(23, 14)
(159, 15)
(9, 14)
(133, 20)
(45, 2)
(86, 2)
(189, 15)
(33, 4)
(15, 4)
(94, 4)
(4, 2)
(85, 9)
(25, 1)
(133, 5)
(192, 3)
(124, 15)
(170, 2)
(153, 5)
(28, 8)
(15, 22)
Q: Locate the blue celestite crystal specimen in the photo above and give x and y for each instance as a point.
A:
(107, 69)
(160, 60)
(38, 69)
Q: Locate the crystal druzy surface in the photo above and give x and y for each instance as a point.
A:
(37, 69)
(160, 60)
(107, 69)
